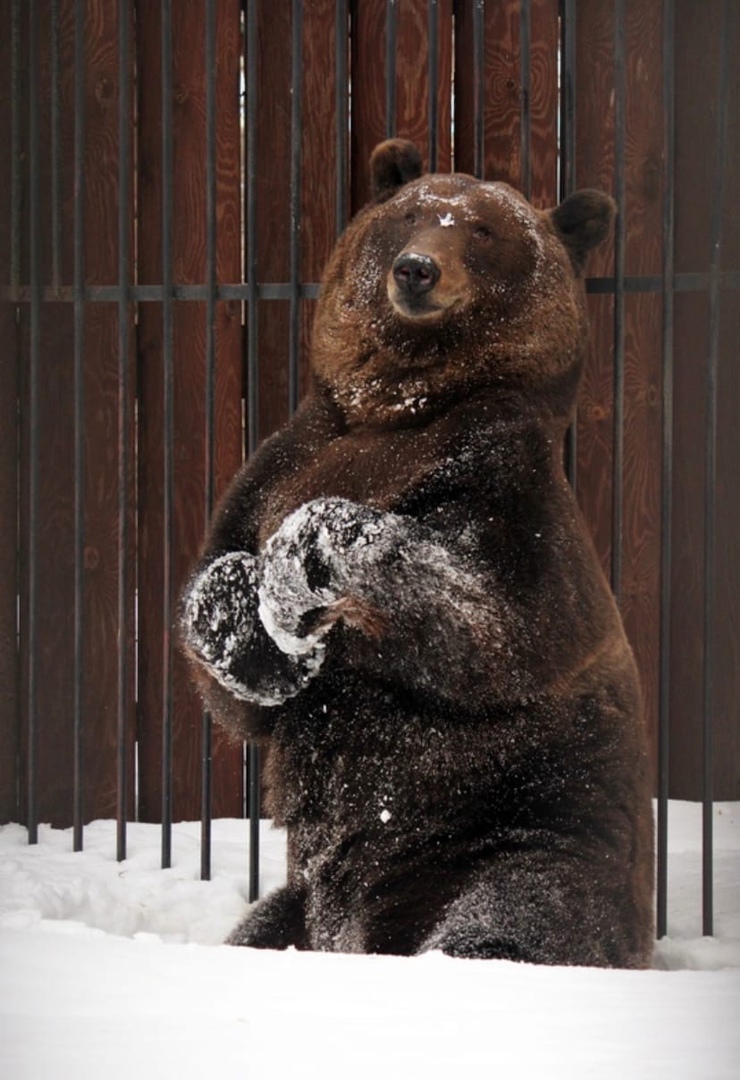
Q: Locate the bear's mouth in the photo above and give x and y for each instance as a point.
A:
(430, 306)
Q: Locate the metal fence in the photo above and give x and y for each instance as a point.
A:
(176, 174)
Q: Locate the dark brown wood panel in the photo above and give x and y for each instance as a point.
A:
(594, 167)
(274, 28)
(189, 384)
(228, 772)
(691, 335)
(726, 622)
(9, 368)
(54, 652)
(103, 632)
(544, 102)
(368, 92)
(641, 486)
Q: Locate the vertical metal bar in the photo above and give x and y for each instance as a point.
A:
(479, 12)
(390, 68)
(253, 777)
(210, 372)
(33, 411)
(710, 480)
(167, 431)
(525, 45)
(433, 83)
(296, 118)
(343, 103)
(56, 201)
(619, 307)
(666, 509)
(79, 409)
(567, 171)
(124, 418)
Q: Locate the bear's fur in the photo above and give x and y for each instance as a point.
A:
(399, 593)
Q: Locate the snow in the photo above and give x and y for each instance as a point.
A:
(113, 969)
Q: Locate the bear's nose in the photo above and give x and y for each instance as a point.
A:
(415, 274)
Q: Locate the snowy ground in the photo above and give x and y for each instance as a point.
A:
(110, 970)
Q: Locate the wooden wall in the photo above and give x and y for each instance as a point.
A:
(633, 96)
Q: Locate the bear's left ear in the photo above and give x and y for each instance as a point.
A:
(582, 221)
(392, 164)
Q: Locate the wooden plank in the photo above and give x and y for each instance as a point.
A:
(9, 671)
(594, 167)
(228, 771)
(505, 92)
(544, 102)
(368, 94)
(54, 586)
(642, 469)
(274, 28)
(727, 629)
(698, 36)
(501, 90)
(370, 124)
(691, 327)
(189, 339)
(319, 225)
(103, 631)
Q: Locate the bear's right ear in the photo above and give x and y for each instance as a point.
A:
(582, 221)
(392, 164)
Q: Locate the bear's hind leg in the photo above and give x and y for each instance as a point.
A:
(541, 909)
(277, 922)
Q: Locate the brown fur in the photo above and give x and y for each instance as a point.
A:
(454, 716)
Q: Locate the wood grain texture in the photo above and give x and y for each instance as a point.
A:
(544, 103)
(189, 382)
(54, 652)
(691, 328)
(103, 632)
(9, 370)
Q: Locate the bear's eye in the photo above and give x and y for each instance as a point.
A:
(410, 218)
(482, 232)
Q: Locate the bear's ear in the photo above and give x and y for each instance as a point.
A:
(582, 221)
(392, 164)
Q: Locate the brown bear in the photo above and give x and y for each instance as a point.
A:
(398, 592)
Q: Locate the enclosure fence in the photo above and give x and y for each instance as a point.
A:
(174, 174)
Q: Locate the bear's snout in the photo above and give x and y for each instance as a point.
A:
(415, 274)
(426, 279)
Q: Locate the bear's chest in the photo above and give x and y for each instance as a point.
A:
(371, 468)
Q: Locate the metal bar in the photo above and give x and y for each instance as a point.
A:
(433, 24)
(390, 68)
(273, 290)
(167, 431)
(710, 481)
(253, 787)
(56, 201)
(206, 807)
(33, 412)
(567, 173)
(296, 127)
(124, 419)
(78, 243)
(525, 46)
(343, 106)
(666, 509)
(479, 11)
(619, 251)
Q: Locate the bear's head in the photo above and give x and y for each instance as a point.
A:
(445, 286)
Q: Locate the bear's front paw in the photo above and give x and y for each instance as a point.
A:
(309, 567)
(219, 615)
